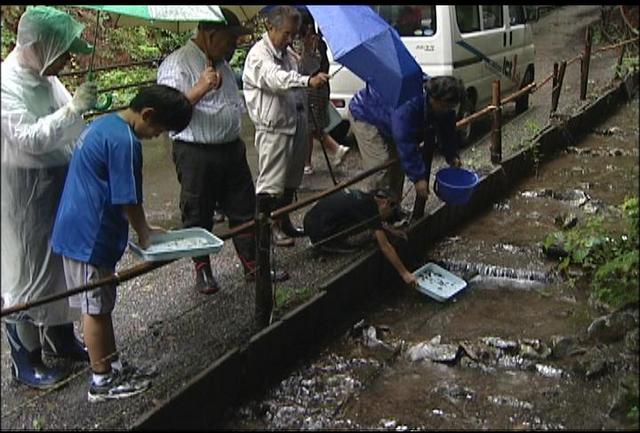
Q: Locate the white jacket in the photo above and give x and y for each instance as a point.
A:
(271, 80)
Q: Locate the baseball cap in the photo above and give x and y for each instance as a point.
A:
(233, 23)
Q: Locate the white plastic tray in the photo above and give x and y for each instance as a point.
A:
(438, 283)
(189, 242)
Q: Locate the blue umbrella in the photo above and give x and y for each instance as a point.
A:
(366, 44)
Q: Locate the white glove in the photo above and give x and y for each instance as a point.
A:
(85, 98)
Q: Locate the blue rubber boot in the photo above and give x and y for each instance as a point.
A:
(60, 342)
(27, 367)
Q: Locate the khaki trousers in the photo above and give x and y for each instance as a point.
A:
(374, 150)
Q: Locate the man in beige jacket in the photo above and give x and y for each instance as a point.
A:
(273, 90)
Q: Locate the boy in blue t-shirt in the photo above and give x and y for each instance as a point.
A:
(102, 196)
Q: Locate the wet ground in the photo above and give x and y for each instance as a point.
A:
(159, 319)
(505, 353)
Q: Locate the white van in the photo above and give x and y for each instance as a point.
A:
(475, 43)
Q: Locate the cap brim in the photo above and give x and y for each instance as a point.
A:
(80, 46)
(239, 30)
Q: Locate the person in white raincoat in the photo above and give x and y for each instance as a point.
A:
(40, 124)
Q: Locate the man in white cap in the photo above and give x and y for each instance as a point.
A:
(40, 124)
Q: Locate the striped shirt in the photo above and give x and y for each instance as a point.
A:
(217, 116)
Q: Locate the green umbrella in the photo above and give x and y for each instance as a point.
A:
(175, 18)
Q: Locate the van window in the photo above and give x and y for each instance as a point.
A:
(516, 15)
(409, 20)
(468, 18)
(491, 17)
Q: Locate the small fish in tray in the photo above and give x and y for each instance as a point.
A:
(437, 282)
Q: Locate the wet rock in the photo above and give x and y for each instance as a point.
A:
(549, 371)
(632, 341)
(625, 398)
(456, 393)
(434, 351)
(562, 347)
(591, 364)
(616, 152)
(507, 400)
(607, 132)
(534, 349)
(388, 423)
(566, 221)
(500, 343)
(546, 192)
(514, 362)
(578, 150)
(555, 251)
(612, 327)
(574, 197)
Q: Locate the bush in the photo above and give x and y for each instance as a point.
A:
(611, 260)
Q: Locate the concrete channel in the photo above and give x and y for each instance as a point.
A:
(247, 370)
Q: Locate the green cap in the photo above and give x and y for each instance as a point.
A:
(60, 25)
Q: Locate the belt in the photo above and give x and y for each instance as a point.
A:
(197, 144)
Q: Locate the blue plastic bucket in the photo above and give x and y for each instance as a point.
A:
(455, 185)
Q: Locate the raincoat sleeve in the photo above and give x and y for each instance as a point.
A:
(449, 140)
(268, 75)
(32, 134)
(406, 129)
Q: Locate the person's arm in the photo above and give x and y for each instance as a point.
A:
(171, 73)
(138, 220)
(406, 128)
(268, 75)
(39, 135)
(390, 253)
(449, 139)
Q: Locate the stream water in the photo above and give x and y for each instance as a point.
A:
(508, 352)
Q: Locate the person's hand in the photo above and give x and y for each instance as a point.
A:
(422, 188)
(456, 163)
(318, 80)
(85, 97)
(144, 238)
(410, 279)
(210, 79)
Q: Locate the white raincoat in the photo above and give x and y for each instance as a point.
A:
(39, 131)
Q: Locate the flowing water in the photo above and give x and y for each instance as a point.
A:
(510, 351)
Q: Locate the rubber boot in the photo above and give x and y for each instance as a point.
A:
(27, 366)
(205, 281)
(244, 244)
(60, 342)
(285, 222)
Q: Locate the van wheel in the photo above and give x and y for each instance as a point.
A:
(466, 109)
(522, 103)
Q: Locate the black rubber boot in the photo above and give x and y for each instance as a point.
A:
(285, 222)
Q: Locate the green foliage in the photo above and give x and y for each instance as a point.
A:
(8, 40)
(611, 261)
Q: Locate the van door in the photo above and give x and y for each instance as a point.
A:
(521, 42)
(478, 54)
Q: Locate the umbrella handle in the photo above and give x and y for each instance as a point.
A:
(105, 103)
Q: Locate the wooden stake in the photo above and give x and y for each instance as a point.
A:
(584, 69)
(557, 87)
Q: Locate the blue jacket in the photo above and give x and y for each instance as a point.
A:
(408, 125)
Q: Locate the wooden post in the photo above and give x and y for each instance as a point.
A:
(264, 291)
(557, 86)
(584, 69)
(496, 127)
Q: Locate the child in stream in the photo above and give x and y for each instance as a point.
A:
(102, 196)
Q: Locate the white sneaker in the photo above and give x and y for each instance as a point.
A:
(340, 153)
